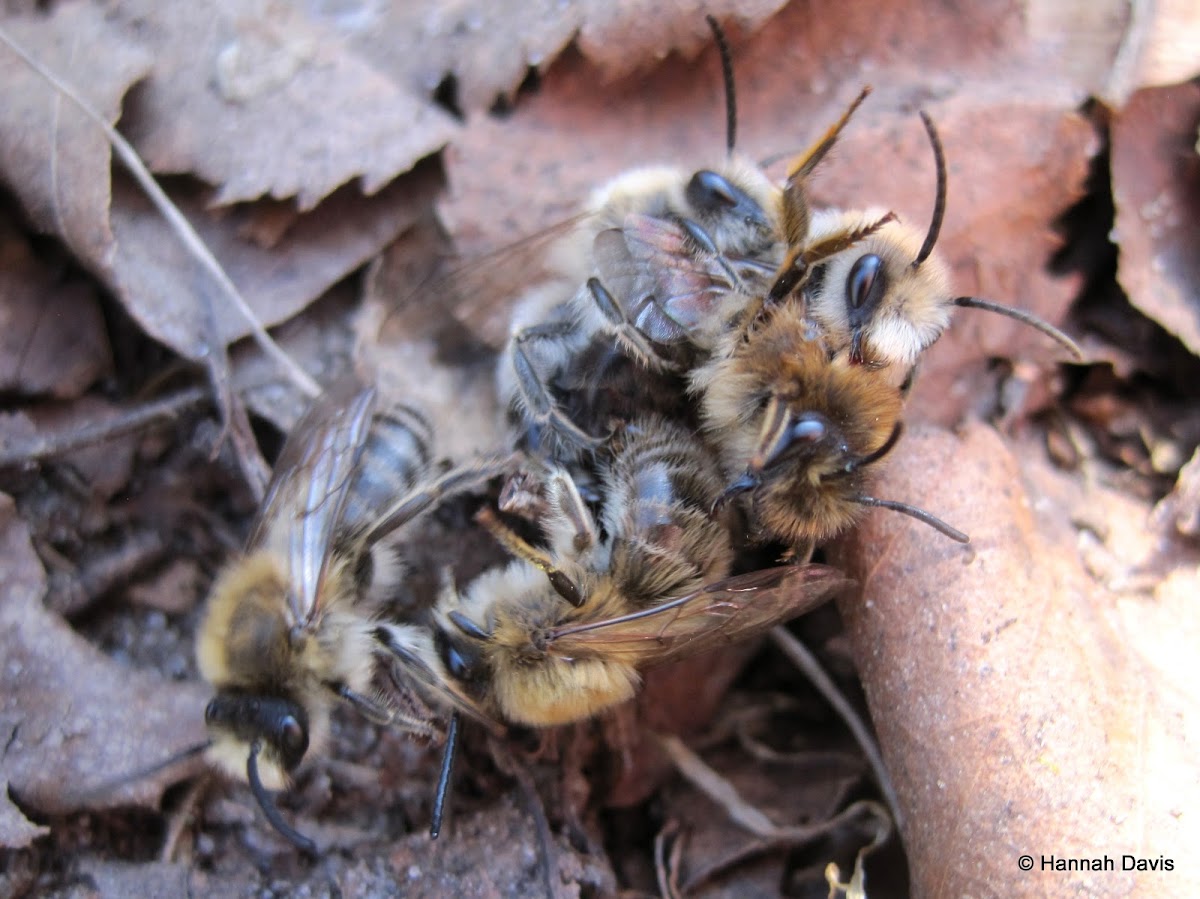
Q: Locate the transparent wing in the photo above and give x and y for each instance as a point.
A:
(672, 289)
(475, 288)
(304, 502)
(728, 611)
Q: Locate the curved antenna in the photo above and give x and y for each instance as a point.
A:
(920, 514)
(888, 446)
(289, 833)
(727, 75)
(1024, 317)
(449, 753)
(939, 204)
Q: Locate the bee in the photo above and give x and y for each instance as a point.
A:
(887, 300)
(802, 432)
(561, 633)
(563, 332)
(288, 629)
(682, 289)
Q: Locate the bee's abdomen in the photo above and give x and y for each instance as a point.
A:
(394, 459)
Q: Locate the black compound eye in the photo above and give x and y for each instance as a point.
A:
(865, 283)
(292, 736)
(210, 711)
(708, 190)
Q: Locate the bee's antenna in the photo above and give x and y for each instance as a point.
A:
(919, 514)
(444, 776)
(116, 783)
(887, 447)
(1027, 318)
(939, 204)
(727, 75)
(293, 836)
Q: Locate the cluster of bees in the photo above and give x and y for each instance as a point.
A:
(714, 367)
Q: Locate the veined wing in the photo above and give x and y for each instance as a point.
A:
(304, 502)
(672, 289)
(727, 611)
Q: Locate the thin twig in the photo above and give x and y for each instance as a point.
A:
(51, 445)
(179, 224)
(799, 655)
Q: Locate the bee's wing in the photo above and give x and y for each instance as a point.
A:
(728, 611)
(668, 288)
(307, 494)
(474, 287)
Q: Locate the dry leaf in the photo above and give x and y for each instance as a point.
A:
(489, 47)
(1156, 190)
(275, 105)
(52, 334)
(1014, 714)
(175, 301)
(52, 156)
(73, 718)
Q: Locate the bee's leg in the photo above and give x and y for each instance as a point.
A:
(801, 259)
(564, 499)
(419, 500)
(511, 541)
(630, 338)
(540, 407)
(704, 241)
(377, 712)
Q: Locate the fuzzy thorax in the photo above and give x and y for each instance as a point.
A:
(249, 643)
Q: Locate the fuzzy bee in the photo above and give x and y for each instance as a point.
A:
(562, 632)
(290, 629)
(801, 433)
(886, 299)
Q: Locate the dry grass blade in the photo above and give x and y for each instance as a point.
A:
(668, 851)
(799, 655)
(770, 835)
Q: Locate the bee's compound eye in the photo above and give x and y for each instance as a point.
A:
(293, 740)
(708, 190)
(865, 282)
(809, 430)
(210, 711)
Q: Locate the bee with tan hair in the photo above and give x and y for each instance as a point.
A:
(562, 632)
(290, 627)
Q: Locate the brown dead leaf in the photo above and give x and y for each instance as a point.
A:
(1012, 710)
(16, 831)
(52, 334)
(1156, 191)
(173, 299)
(275, 106)
(489, 47)
(72, 718)
(51, 155)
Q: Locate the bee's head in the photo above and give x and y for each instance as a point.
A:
(727, 208)
(278, 725)
(262, 738)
